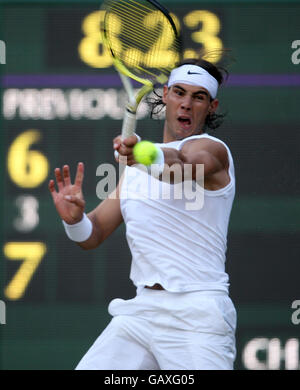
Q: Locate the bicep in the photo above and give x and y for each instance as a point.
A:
(210, 153)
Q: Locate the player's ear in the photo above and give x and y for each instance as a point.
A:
(213, 106)
(165, 93)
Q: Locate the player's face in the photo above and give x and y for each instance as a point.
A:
(186, 109)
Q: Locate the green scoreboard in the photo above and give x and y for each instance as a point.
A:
(62, 102)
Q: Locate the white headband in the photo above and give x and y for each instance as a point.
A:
(194, 75)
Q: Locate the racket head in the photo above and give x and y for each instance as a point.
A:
(142, 38)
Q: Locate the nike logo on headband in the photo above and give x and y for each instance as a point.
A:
(189, 72)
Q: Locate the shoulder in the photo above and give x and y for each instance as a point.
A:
(206, 144)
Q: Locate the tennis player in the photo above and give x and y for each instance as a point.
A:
(182, 316)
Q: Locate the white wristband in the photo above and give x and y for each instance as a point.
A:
(158, 165)
(80, 231)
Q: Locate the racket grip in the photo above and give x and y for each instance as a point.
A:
(128, 127)
(129, 124)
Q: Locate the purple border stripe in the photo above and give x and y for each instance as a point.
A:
(113, 80)
(264, 80)
(60, 80)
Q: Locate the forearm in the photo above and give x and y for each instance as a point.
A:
(179, 166)
(173, 170)
(105, 219)
(94, 240)
(188, 164)
(84, 232)
(173, 156)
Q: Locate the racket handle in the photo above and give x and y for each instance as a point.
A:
(128, 127)
(129, 124)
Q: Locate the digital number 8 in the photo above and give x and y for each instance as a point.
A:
(89, 46)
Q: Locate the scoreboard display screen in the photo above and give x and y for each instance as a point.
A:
(62, 102)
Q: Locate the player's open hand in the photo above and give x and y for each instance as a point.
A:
(124, 147)
(68, 200)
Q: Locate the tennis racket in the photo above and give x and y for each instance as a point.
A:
(145, 46)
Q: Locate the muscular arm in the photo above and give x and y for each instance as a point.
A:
(204, 151)
(201, 151)
(105, 219)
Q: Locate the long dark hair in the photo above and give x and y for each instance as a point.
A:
(213, 120)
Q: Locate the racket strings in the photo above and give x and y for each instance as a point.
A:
(135, 28)
(139, 5)
(141, 37)
(128, 7)
(131, 22)
(137, 41)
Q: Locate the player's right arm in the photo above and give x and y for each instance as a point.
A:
(70, 205)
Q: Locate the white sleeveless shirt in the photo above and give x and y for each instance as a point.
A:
(182, 248)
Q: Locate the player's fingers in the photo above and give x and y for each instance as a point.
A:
(51, 186)
(74, 199)
(66, 175)
(59, 180)
(118, 138)
(79, 175)
(117, 141)
(130, 141)
(125, 151)
(52, 189)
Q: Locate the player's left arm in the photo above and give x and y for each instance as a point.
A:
(212, 154)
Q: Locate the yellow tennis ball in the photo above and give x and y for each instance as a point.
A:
(145, 152)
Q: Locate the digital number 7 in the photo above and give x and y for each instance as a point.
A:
(31, 253)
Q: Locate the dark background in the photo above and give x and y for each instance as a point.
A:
(64, 306)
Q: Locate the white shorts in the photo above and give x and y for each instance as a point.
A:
(159, 330)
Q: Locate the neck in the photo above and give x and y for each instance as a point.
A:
(167, 137)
